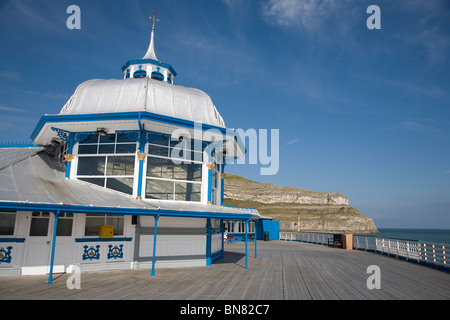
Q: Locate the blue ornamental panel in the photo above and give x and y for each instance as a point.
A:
(5, 255)
(91, 253)
(115, 252)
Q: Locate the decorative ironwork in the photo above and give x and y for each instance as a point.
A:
(66, 136)
(133, 135)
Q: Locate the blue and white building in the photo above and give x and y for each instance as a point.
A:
(127, 175)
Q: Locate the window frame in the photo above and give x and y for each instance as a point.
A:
(105, 218)
(8, 227)
(177, 161)
(105, 177)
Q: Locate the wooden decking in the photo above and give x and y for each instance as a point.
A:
(282, 271)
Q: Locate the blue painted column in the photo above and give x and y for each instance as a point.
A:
(154, 245)
(256, 239)
(69, 156)
(210, 166)
(52, 258)
(208, 242)
(246, 253)
(141, 154)
(222, 226)
(222, 182)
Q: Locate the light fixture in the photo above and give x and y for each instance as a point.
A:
(102, 131)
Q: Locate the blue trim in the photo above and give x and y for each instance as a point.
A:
(222, 191)
(18, 144)
(49, 207)
(246, 251)
(208, 242)
(209, 185)
(135, 115)
(222, 228)
(140, 178)
(102, 239)
(149, 61)
(16, 240)
(216, 256)
(52, 259)
(256, 255)
(154, 245)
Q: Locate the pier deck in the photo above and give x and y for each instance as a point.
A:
(282, 271)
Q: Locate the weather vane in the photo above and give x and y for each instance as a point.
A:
(153, 19)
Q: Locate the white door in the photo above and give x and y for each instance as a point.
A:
(38, 244)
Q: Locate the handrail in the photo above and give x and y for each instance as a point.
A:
(430, 253)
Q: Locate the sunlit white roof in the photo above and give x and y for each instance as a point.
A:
(143, 94)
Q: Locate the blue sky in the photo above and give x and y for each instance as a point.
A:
(361, 112)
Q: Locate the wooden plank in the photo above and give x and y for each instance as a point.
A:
(283, 270)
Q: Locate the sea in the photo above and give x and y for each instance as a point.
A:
(429, 235)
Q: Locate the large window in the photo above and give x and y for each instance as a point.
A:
(39, 224)
(179, 150)
(65, 224)
(172, 174)
(94, 221)
(104, 144)
(7, 223)
(107, 161)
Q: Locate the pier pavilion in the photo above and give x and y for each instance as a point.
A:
(127, 175)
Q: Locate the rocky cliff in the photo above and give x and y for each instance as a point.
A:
(318, 211)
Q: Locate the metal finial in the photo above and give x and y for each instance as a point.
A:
(153, 19)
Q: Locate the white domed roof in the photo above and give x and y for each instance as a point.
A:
(143, 94)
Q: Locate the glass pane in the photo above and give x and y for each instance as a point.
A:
(92, 224)
(91, 166)
(180, 191)
(7, 222)
(185, 191)
(64, 227)
(117, 223)
(123, 138)
(159, 189)
(109, 138)
(106, 148)
(126, 148)
(196, 193)
(214, 181)
(91, 139)
(120, 166)
(120, 184)
(165, 168)
(97, 181)
(193, 171)
(159, 151)
(162, 141)
(158, 167)
(39, 227)
(87, 149)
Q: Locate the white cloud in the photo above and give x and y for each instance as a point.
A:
(292, 142)
(306, 14)
(10, 75)
(5, 108)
